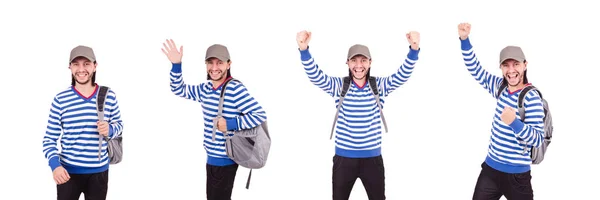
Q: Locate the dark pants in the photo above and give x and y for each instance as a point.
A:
(219, 181)
(369, 170)
(93, 186)
(492, 184)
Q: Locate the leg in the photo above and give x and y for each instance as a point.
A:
(486, 187)
(518, 186)
(372, 175)
(345, 172)
(71, 190)
(219, 181)
(97, 186)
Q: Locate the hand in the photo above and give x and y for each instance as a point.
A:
(60, 175)
(171, 51)
(102, 128)
(303, 37)
(414, 38)
(508, 115)
(463, 30)
(222, 125)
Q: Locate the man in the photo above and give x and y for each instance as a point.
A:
(506, 170)
(78, 168)
(358, 135)
(241, 111)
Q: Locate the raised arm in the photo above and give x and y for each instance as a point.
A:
(390, 83)
(316, 76)
(489, 81)
(178, 86)
(53, 130)
(530, 129)
(252, 113)
(114, 119)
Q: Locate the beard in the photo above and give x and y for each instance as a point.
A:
(85, 81)
(514, 80)
(219, 77)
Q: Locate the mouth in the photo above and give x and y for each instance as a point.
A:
(215, 73)
(359, 71)
(512, 77)
(81, 74)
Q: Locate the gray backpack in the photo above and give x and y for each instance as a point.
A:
(248, 147)
(115, 145)
(345, 87)
(537, 154)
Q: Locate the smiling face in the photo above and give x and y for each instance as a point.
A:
(359, 66)
(514, 72)
(216, 69)
(82, 70)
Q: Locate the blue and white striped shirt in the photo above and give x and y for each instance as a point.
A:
(240, 110)
(358, 130)
(505, 153)
(75, 116)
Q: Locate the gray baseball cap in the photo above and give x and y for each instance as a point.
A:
(512, 52)
(217, 51)
(359, 49)
(82, 51)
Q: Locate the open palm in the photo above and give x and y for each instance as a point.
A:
(170, 50)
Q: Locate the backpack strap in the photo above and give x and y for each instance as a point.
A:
(345, 87)
(521, 100)
(375, 90)
(220, 110)
(521, 107)
(100, 99)
(503, 86)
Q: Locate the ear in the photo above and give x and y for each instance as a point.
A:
(524, 65)
(228, 64)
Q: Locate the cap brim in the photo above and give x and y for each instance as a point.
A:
(512, 58)
(356, 54)
(84, 56)
(217, 57)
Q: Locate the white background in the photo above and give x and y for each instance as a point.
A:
(438, 122)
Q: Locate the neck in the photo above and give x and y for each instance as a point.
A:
(360, 82)
(515, 88)
(219, 82)
(86, 89)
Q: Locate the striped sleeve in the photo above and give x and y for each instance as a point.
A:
(180, 88)
(531, 129)
(252, 113)
(116, 124)
(390, 83)
(489, 81)
(53, 132)
(316, 76)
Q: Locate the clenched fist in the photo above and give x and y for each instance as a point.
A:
(102, 128)
(302, 38)
(60, 175)
(222, 125)
(463, 30)
(414, 38)
(508, 115)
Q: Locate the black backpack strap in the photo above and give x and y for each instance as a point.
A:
(220, 109)
(521, 100)
(503, 86)
(100, 99)
(248, 181)
(345, 87)
(375, 90)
